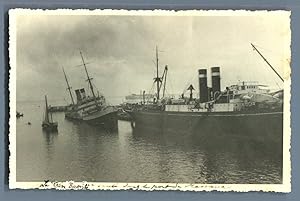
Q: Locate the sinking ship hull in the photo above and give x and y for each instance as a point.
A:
(104, 118)
(200, 126)
(108, 119)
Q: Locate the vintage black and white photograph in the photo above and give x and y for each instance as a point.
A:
(150, 100)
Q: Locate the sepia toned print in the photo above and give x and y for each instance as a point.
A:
(150, 100)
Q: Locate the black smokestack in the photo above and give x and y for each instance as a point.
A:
(78, 95)
(215, 79)
(203, 93)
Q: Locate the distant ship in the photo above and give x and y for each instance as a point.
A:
(91, 109)
(138, 98)
(48, 124)
(243, 110)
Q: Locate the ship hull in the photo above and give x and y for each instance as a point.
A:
(106, 120)
(50, 127)
(109, 120)
(197, 126)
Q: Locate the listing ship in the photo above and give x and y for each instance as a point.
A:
(91, 109)
(244, 110)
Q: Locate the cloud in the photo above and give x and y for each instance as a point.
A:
(121, 50)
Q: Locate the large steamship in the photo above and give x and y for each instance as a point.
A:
(244, 110)
(91, 109)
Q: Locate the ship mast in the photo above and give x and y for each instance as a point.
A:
(157, 79)
(164, 78)
(69, 88)
(165, 81)
(88, 78)
(267, 62)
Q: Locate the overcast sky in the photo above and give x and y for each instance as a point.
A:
(121, 51)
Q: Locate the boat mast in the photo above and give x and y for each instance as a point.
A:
(89, 79)
(46, 111)
(51, 119)
(267, 62)
(69, 88)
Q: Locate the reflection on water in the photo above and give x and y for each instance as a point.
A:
(85, 153)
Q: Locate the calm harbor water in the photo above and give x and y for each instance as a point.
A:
(80, 152)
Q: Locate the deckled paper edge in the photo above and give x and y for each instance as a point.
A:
(285, 187)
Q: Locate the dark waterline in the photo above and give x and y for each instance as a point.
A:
(80, 152)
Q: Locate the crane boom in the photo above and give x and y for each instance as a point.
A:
(267, 62)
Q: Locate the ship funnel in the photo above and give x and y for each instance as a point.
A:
(203, 91)
(215, 79)
(80, 94)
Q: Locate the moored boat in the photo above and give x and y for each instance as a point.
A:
(19, 114)
(48, 124)
(244, 110)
